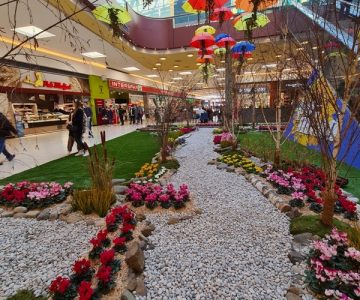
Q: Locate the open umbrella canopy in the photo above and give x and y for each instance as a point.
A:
(103, 13)
(249, 6)
(220, 51)
(221, 36)
(221, 14)
(188, 8)
(202, 41)
(226, 42)
(205, 4)
(205, 59)
(206, 28)
(207, 51)
(243, 47)
(244, 21)
(244, 55)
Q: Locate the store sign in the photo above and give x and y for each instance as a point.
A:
(40, 82)
(252, 90)
(121, 85)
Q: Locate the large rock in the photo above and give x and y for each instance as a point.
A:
(118, 181)
(291, 296)
(32, 214)
(303, 238)
(135, 257)
(131, 281)
(222, 166)
(127, 295)
(140, 217)
(173, 220)
(296, 257)
(54, 215)
(230, 169)
(7, 214)
(198, 211)
(19, 215)
(120, 189)
(65, 209)
(44, 215)
(140, 286)
(147, 230)
(73, 218)
(284, 208)
(20, 209)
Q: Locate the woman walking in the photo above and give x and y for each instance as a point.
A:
(77, 128)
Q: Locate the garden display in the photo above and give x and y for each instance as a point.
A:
(147, 170)
(334, 268)
(225, 139)
(306, 185)
(34, 194)
(151, 195)
(218, 131)
(96, 275)
(237, 160)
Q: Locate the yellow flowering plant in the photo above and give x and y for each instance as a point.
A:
(147, 170)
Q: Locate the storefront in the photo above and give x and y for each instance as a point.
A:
(38, 102)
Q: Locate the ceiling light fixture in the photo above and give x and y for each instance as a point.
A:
(314, 48)
(185, 73)
(176, 66)
(31, 31)
(278, 56)
(299, 49)
(154, 68)
(177, 78)
(198, 64)
(162, 58)
(170, 70)
(158, 64)
(131, 69)
(93, 54)
(269, 66)
(190, 55)
(289, 58)
(152, 76)
(250, 58)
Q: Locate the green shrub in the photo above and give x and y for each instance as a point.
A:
(171, 164)
(26, 295)
(174, 134)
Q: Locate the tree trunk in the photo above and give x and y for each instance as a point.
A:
(329, 195)
(278, 129)
(253, 110)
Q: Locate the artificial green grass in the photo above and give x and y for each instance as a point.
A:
(262, 145)
(26, 295)
(313, 225)
(130, 151)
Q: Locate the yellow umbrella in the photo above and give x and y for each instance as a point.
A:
(242, 22)
(205, 28)
(188, 8)
(102, 13)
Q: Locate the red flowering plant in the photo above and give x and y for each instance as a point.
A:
(99, 242)
(217, 139)
(107, 258)
(127, 231)
(106, 280)
(111, 222)
(120, 244)
(34, 195)
(62, 288)
(334, 268)
(86, 292)
(82, 271)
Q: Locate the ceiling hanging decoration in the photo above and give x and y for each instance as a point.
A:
(207, 6)
(226, 42)
(206, 69)
(221, 14)
(242, 50)
(207, 51)
(249, 5)
(247, 21)
(205, 29)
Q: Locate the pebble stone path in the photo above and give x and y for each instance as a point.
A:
(33, 253)
(236, 249)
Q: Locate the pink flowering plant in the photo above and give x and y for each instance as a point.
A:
(154, 194)
(334, 267)
(34, 195)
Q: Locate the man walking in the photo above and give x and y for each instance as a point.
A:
(122, 113)
(6, 128)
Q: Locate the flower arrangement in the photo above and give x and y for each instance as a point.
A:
(153, 194)
(334, 267)
(84, 281)
(34, 195)
(218, 131)
(227, 140)
(147, 170)
(307, 184)
(217, 139)
(238, 160)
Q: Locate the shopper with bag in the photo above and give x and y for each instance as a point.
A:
(6, 128)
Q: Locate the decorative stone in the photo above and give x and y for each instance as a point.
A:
(100, 223)
(140, 286)
(222, 166)
(143, 247)
(212, 162)
(295, 290)
(230, 169)
(303, 238)
(198, 211)
(69, 199)
(53, 215)
(44, 215)
(284, 208)
(294, 213)
(1, 211)
(131, 281)
(147, 230)
(118, 181)
(32, 214)
(7, 214)
(65, 209)
(119, 189)
(143, 238)
(296, 257)
(19, 215)
(140, 217)
(20, 209)
(120, 199)
(135, 257)
(173, 220)
(73, 218)
(291, 296)
(127, 295)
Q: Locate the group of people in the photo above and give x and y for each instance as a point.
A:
(134, 114)
(208, 115)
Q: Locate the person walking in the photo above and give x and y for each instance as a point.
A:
(88, 113)
(110, 115)
(140, 114)
(122, 113)
(6, 128)
(132, 112)
(77, 128)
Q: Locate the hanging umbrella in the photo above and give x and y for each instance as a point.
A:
(204, 5)
(202, 41)
(243, 22)
(208, 51)
(188, 8)
(103, 13)
(249, 6)
(206, 29)
(205, 59)
(221, 36)
(226, 42)
(237, 11)
(236, 55)
(221, 14)
(243, 47)
(220, 51)
(332, 45)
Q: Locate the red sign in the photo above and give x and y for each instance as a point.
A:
(56, 85)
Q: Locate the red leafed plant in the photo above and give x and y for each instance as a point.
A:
(85, 291)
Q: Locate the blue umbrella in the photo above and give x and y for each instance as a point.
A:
(220, 37)
(242, 47)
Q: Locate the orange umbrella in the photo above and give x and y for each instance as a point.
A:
(205, 59)
(205, 4)
(248, 5)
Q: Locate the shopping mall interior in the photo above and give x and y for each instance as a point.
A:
(179, 149)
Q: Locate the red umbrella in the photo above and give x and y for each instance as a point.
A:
(221, 14)
(207, 51)
(245, 55)
(205, 4)
(202, 41)
(226, 42)
(205, 59)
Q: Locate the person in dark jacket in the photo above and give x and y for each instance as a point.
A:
(6, 128)
(122, 113)
(77, 128)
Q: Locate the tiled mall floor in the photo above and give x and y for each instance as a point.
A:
(35, 150)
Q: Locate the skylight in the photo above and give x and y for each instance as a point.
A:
(31, 31)
(93, 54)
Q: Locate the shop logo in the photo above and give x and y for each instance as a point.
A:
(40, 82)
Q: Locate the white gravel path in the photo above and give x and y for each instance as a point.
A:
(236, 249)
(33, 253)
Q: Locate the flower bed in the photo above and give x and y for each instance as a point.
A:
(151, 195)
(96, 276)
(306, 186)
(34, 195)
(225, 139)
(334, 268)
(237, 160)
(218, 131)
(147, 170)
